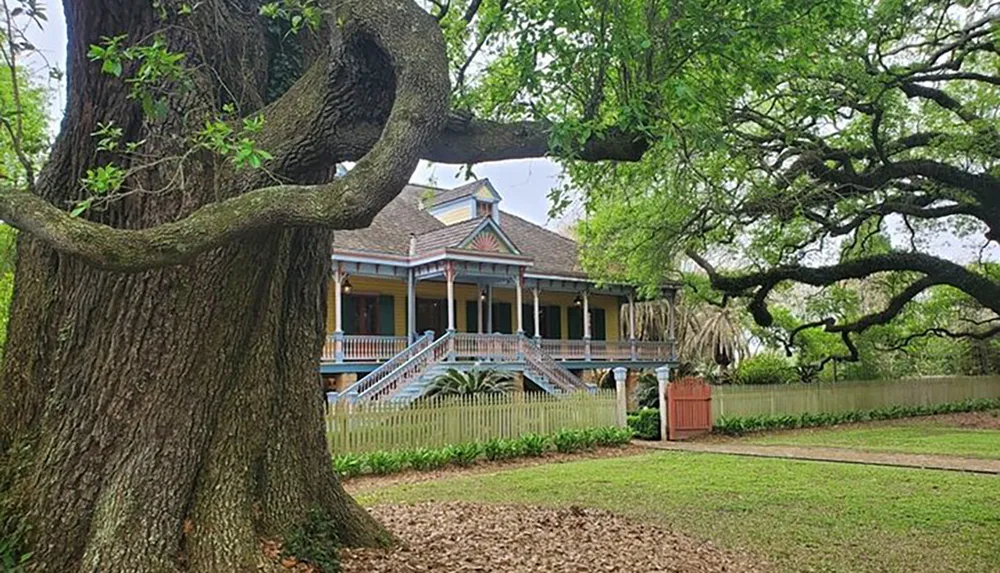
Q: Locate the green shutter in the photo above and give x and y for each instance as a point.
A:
(528, 318)
(553, 322)
(502, 318)
(574, 316)
(386, 315)
(472, 316)
(349, 322)
(598, 324)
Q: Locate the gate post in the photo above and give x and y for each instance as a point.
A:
(662, 378)
(620, 401)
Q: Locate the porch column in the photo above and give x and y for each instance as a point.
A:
(338, 319)
(489, 309)
(672, 323)
(586, 325)
(518, 287)
(538, 320)
(449, 273)
(479, 313)
(631, 324)
(411, 307)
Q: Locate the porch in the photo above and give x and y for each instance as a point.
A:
(380, 348)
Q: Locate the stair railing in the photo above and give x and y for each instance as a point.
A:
(375, 377)
(537, 360)
(410, 370)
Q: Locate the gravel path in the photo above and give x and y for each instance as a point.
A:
(460, 537)
(826, 454)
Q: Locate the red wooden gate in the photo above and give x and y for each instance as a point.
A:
(689, 408)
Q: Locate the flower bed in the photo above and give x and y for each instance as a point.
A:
(467, 454)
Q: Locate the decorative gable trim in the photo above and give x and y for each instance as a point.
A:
(487, 236)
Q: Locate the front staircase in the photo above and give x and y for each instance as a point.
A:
(410, 374)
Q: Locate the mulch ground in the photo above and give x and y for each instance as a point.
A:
(362, 484)
(449, 537)
(973, 420)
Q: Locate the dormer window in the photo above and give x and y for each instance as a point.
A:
(483, 209)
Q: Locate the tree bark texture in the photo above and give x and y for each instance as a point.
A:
(169, 420)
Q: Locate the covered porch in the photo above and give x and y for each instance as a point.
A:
(378, 308)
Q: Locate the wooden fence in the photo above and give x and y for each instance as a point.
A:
(438, 422)
(819, 398)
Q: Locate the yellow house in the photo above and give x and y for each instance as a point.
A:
(449, 274)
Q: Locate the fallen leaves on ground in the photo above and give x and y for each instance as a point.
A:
(465, 537)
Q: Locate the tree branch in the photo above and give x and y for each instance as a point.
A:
(412, 42)
(468, 140)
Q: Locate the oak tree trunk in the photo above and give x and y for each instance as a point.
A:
(168, 420)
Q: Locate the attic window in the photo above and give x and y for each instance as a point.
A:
(483, 209)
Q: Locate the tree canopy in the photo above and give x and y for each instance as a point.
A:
(845, 155)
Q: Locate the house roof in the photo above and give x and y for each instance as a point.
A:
(390, 233)
(449, 236)
(448, 195)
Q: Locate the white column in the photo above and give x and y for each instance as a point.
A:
(520, 303)
(631, 316)
(489, 309)
(479, 313)
(538, 319)
(662, 378)
(411, 307)
(621, 402)
(586, 315)
(450, 276)
(338, 282)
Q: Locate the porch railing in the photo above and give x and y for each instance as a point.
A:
(490, 347)
(376, 377)
(362, 347)
(538, 361)
(623, 350)
(410, 370)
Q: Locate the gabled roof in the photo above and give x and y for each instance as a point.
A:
(390, 231)
(482, 190)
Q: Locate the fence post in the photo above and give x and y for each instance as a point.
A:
(662, 378)
(620, 374)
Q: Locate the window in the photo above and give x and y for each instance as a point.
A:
(549, 320)
(598, 323)
(369, 314)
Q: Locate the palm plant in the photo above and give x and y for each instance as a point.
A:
(705, 333)
(474, 381)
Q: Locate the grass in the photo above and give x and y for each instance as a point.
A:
(921, 438)
(801, 516)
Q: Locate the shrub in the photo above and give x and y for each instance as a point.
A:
(348, 465)
(534, 445)
(645, 424)
(767, 368)
(611, 436)
(463, 454)
(568, 441)
(475, 381)
(382, 463)
(647, 394)
(735, 426)
(424, 459)
(497, 449)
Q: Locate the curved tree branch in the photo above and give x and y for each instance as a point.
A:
(984, 290)
(411, 41)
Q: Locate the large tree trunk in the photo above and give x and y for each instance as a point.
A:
(167, 420)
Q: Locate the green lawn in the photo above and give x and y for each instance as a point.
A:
(802, 516)
(923, 438)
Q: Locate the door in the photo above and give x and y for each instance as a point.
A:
(432, 314)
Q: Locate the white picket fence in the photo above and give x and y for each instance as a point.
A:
(738, 401)
(437, 422)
